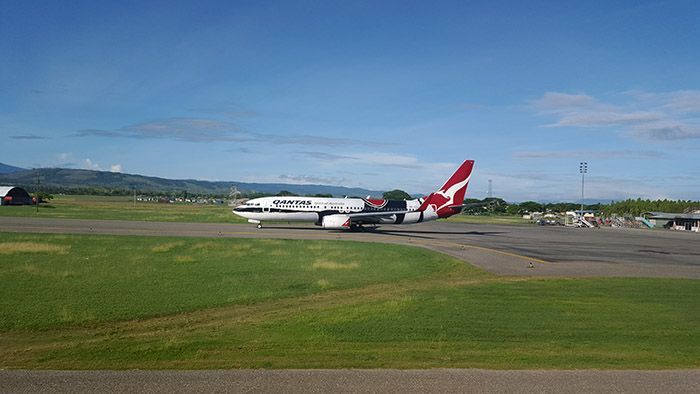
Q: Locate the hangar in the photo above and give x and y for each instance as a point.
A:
(13, 195)
(677, 221)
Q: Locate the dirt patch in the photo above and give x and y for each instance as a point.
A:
(332, 265)
(166, 247)
(204, 245)
(32, 247)
(324, 284)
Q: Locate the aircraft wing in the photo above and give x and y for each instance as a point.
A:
(376, 214)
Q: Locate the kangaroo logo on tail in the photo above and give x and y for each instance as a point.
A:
(448, 200)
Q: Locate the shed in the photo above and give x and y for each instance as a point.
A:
(676, 221)
(13, 195)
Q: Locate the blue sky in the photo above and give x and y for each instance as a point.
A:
(375, 94)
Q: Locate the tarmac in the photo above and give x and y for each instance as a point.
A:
(351, 381)
(501, 249)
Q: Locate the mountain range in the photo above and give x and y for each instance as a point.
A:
(73, 179)
(6, 169)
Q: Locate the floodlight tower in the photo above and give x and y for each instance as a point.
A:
(583, 169)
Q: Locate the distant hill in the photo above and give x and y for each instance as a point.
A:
(6, 169)
(72, 178)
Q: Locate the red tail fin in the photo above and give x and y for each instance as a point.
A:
(451, 193)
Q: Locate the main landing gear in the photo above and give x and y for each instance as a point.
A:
(355, 227)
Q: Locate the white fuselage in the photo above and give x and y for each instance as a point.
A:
(314, 209)
(351, 213)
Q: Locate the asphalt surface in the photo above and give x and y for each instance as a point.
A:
(501, 249)
(505, 250)
(351, 381)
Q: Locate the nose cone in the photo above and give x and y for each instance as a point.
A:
(240, 210)
(241, 207)
(247, 209)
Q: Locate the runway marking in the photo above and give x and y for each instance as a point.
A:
(237, 233)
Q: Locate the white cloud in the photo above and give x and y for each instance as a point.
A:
(311, 179)
(523, 186)
(65, 157)
(115, 168)
(181, 129)
(90, 165)
(667, 130)
(378, 159)
(387, 159)
(683, 100)
(213, 130)
(29, 137)
(604, 119)
(555, 101)
(367, 169)
(654, 116)
(610, 154)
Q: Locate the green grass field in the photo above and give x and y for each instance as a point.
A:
(118, 302)
(123, 208)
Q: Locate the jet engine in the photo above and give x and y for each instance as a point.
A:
(338, 222)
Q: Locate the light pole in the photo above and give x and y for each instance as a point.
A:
(38, 185)
(583, 169)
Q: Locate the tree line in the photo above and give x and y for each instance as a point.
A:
(486, 206)
(498, 206)
(639, 206)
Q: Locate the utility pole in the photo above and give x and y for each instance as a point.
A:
(490, 189)
(583, 169)
(38, 182)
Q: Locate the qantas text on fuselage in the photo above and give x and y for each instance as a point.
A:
(350, 213)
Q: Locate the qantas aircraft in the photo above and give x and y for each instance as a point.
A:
(353, 213)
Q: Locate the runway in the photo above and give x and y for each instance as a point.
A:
(500, 249)
(351, 381)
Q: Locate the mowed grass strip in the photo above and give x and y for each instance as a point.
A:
(398, 308)
(123, 208)
(553, 323)
(54, 280)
